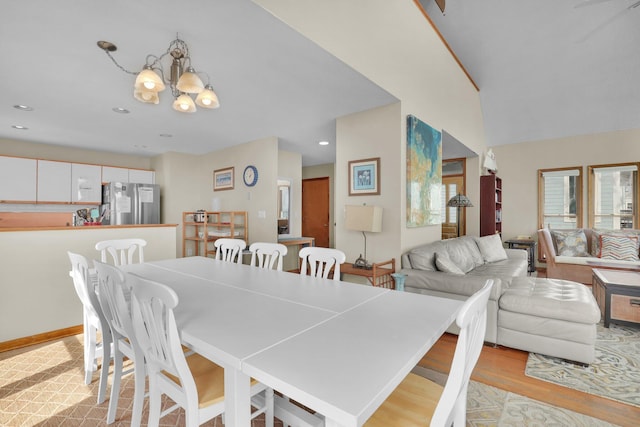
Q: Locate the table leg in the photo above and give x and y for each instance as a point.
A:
(237, 398)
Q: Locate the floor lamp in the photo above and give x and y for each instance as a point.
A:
(363, 218)
(459, 201)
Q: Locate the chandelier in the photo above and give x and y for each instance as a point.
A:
(182, 78)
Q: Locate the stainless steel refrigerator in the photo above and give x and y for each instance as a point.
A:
(130, 203)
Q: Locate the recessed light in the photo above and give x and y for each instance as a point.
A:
(23, 107)
(166, 135)
(120, 110)
(144, 147)
(323, 142)
(20, 127)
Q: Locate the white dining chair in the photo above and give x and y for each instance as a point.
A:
(267, 255)
(230, 249)
(122, 251)
(114, 295)
(321, 261)
(94, 324)
(192, 382)
(418, 401)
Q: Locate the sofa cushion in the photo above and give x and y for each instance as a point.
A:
(491, 248)
(464, 252)
(444, 263)
(619, 247)
(570, 242)
(423, 257)
(597, 234)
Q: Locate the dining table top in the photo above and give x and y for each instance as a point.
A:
(337, 347)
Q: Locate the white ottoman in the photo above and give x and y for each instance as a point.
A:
(549, 316)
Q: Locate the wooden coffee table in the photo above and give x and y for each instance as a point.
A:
(618, 295)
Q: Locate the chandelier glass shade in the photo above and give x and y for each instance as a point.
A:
(182, 78)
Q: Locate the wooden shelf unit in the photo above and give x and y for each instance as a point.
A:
(490, 205)
(198, 237)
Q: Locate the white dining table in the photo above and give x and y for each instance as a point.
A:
(336, 347)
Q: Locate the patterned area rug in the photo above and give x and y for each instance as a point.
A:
(614, 375)
(490, 406)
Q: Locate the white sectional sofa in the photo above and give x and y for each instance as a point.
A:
(553, 317)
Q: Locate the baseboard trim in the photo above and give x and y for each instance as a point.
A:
(40, 338)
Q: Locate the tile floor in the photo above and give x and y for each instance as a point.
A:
(43, 385)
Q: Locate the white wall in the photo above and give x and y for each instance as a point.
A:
(392, 44)
(37, 293)
(518, 166)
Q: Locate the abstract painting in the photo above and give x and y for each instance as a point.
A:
(424, 173)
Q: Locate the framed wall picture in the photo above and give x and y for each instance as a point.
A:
(223, 179)
(364, 177)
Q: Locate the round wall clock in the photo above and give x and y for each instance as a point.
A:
(250, 176)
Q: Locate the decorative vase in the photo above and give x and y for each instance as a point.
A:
(399, 279)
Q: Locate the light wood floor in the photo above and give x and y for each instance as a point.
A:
(503, 368)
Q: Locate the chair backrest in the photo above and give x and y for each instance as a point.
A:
(321, 261)
(122, 251)
(230, 249)
(472, 321)
(266, 255)
(156, 331)
(83, 284)
(114, 293)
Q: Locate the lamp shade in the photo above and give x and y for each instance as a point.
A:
(184, 104)
(363, 218)
(459, 201)
(208, 98)
(146, 96)
(148, 79)
(189, 82)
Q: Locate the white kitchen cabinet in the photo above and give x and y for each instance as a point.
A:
(17, 179)
(114, 174)
(86, 183)
(140, 176)
(54, 182)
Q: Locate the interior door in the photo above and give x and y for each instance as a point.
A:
(452, 185)
(315, 210)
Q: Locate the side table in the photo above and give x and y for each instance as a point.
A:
(529, 246)
(618, 295)
(378, 275)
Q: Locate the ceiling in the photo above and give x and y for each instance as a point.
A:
(548, 68)
(271, 81)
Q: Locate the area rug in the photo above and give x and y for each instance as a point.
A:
(615, 374)
(490, 406)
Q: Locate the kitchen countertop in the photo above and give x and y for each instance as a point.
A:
(85, 227)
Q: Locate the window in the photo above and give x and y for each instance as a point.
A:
(560, 198)
(613, 196)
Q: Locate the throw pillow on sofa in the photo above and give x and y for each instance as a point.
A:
(570, 242)
(445, 264)
(597, 234)
(491, 248)
(619, 247)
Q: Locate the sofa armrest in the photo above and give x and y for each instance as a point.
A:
(457, 284)
(546, 247)
(517, 254)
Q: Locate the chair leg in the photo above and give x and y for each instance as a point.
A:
(138, 394)
(154, 403)
(89, 351)
(104, 370)
(115, 385)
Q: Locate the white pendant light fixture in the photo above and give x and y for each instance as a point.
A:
(182, 79)
(208, 98)
(184, 104)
